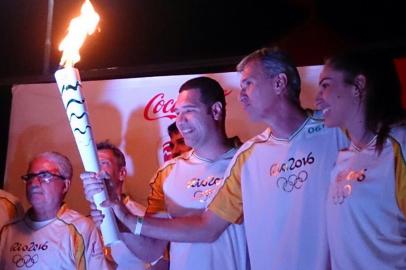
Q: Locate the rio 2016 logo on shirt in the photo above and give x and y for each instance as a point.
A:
(292, 181)
(343, 184)
(26, 260)
(291, 164)
(210, 182)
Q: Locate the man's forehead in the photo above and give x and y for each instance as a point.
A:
(43, 163)
(251, 69)
(188, 97)
(105, 154)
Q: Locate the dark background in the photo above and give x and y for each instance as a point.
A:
(159, 37)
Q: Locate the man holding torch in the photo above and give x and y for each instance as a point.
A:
(276, 183)
(185, 185)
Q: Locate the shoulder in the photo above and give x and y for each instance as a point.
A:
(168, 165)
(398, 135)
(72, 217)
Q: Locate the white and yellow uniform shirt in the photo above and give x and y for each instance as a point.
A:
(118, 253)
(278, 187)
(366, 208)
(70, 241)
(185, 186)
(10, 208)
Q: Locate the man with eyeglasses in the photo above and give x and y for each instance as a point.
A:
(50, 235)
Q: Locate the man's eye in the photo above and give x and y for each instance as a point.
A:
(44, 175)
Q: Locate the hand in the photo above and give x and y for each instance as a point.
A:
(93, 183)
(97, 215)
(120, 211)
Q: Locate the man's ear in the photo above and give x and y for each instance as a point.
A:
(217, 110)
(280, 83)
(66, 185)
(122, 174)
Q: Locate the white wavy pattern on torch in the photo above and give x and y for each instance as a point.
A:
(81, 124)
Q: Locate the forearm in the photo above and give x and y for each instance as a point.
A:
(202, 228)
(145, 248)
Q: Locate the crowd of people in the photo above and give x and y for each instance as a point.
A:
(322, 189)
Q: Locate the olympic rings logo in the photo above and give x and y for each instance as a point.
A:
(203, 196)
(342, 193)
(26, 260)
(292, 181)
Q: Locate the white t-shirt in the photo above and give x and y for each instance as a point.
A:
(10, 208)
(118, 252)
(366, 225)
(70, 241)
(279, 188)
(185, 186)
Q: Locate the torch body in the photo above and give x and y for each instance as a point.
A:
(69, 85)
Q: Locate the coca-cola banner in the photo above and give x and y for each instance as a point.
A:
(132, 113)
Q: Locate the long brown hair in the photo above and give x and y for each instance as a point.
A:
(383, 107)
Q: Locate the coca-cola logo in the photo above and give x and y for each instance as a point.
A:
(167, 150)
(158, 107)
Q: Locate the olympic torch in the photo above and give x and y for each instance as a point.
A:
(69, 85)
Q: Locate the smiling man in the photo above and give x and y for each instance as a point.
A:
(50, 236)
(186, 185)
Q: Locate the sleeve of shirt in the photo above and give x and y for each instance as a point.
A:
(400, 174)
(3, 233)
(94, 250)
(10, 209)
(228, 202)
(156, 198)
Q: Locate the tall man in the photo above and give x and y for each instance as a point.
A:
(277, 182)
(186, 185)
(50, 236)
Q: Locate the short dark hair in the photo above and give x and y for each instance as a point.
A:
(274, 61)
(383, 106)
(118, 154)
(172, 128)
(210, 90)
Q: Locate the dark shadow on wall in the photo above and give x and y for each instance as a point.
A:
(142, 144)
(5, 110)
(108, 124)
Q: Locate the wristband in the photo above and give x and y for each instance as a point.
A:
(138, 225)
(156, 261)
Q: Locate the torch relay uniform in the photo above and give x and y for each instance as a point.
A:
(118, 253)
(10, 208)
(69, 241)
(279, 186)
(185, 186)
(366, 208)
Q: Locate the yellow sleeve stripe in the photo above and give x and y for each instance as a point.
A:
(78, 242)
(400, 176)
(156, 198)
(228, 202)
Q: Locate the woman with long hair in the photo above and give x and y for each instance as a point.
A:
(360, 92)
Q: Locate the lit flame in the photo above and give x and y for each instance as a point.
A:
(79, 28)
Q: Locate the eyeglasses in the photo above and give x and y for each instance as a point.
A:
(44, 177)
